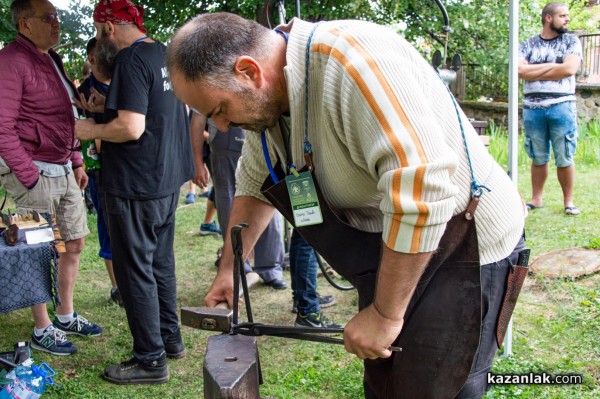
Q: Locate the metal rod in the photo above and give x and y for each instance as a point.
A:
(8, 363)
(238, 267)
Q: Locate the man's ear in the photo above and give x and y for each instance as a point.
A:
(104, 29)
(109, 27)
(24, 25)
(247, 70)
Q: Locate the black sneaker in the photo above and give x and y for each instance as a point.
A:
(53, 341)
(78, 326)
(317, 320)
(325, 301)
(133, 372)
(115, 296)
(174, 346)
(277, 283)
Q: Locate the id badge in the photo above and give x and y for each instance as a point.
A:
(303, 197)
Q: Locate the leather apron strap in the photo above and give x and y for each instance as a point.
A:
(442, 324)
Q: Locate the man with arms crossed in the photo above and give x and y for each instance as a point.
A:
(548, 65)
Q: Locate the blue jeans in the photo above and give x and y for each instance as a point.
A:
(555, 125)
(103, 238)
(303, 269)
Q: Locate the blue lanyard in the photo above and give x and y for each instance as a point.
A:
(94, 83)
(307, 145)
(476, 188)
(139, 40)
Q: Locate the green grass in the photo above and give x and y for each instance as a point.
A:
(557, 322)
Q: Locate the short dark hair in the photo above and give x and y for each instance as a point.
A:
(551, 9)
(91, 46)
(206, 47)
(17, 10)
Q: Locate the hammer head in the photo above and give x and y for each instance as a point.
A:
(211, 319)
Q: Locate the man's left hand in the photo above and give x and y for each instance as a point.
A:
(80, 177)
(83, 129)
(369, 334)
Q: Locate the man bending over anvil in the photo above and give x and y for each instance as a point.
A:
(400, 196)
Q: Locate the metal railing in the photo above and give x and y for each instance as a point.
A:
(590, 67)
(475, 81)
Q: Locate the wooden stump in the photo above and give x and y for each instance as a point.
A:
(567, 263)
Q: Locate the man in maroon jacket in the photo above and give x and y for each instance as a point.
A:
(39, 165)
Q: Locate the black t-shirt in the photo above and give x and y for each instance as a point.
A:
(85, 88)
(160, 161)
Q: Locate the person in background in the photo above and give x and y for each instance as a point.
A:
(40, 166)
(99, 81)
(146, 158)
(225, 151)
(548, 64)
(86, 70)
(303, 272)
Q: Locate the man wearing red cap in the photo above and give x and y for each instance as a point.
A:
(146, 157)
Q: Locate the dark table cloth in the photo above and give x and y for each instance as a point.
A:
(27, 275)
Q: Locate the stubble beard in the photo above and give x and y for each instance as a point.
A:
(106, 53)
(263, 107)
(558, 29)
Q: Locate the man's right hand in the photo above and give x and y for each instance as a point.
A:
(202, 177)
(221, 289)
(256, 214)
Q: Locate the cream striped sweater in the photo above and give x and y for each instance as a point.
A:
(388, 151)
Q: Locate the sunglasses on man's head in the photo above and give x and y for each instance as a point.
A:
(47, 18)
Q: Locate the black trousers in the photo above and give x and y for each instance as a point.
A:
(142, 235)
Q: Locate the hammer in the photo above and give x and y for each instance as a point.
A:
(226, 320)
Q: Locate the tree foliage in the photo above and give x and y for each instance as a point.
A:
(479, 28)
(7, 30)
(75, 33)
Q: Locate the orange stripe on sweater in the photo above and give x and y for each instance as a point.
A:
(396, 145)
(370, 98)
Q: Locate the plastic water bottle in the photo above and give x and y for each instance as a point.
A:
(29, 382)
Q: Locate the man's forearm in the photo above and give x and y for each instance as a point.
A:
(126, 127)
(399, 274)
(114, 132)
(549, 71)
(534, 72)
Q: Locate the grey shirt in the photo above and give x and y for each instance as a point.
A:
(536, 50)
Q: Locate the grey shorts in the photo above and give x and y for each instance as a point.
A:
(59, 196)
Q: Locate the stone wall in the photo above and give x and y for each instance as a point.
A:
(588, 101)
(588, 106)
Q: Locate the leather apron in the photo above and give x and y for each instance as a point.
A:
(442, 323)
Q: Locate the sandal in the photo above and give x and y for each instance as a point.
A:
(572, 211)
(531, 207)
